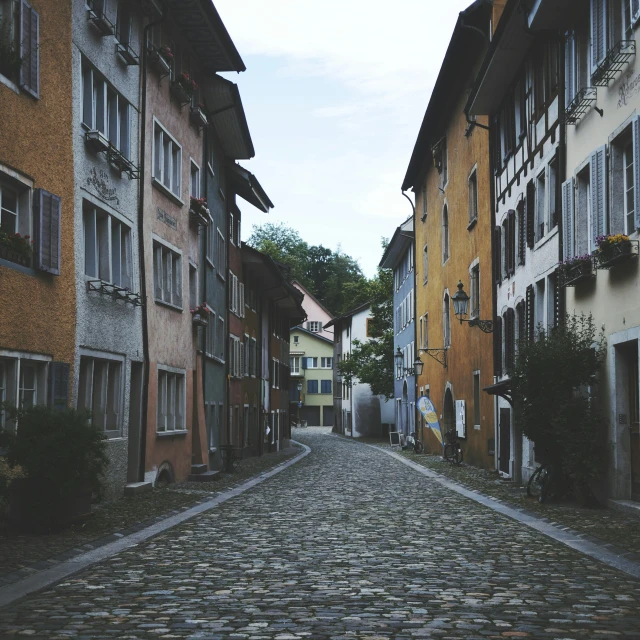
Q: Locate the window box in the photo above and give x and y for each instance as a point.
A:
(576, 270)
(120, 162)
(198, 118)
(614, 62)
(160, 60)
(101, 22)
(199, 212)
(199, 320)
(183, 87)
(614, 250)
(15, 248)
(97, 140)
(127, 54)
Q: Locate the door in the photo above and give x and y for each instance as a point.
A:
(327, 416)
(449, 412)
(505, 441)
(634, 418)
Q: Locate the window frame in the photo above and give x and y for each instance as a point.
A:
(180, 376)
(159, 164)
(472, 182)
(176, 256)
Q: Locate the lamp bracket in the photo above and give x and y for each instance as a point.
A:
(437, 354)
(484, 325)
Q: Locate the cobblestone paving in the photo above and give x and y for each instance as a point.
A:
(348, 543)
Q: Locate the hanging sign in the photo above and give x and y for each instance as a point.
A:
(428, 411)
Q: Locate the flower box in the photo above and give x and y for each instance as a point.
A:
(97, 140)
(199, 320)
(199, 211)
(575, 271)
(198, 219)
(198, 118)
(614, 250)
(129, 56)
(179, 93)
(101, 22)
(16, 248)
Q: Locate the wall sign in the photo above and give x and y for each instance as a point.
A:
(100, 180)
(163, 216)
(629, 88)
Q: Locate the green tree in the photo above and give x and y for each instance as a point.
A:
(371, 362)
(551, 385)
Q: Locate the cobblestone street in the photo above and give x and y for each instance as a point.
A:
(347, 543)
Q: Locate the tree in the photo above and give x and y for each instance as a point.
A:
(372, 362)
(551, 386)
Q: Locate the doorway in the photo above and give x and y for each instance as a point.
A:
(505, 441)
(449, 412)
(405, 409)
(628, 409)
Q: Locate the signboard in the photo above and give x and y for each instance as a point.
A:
(428, 411)
(394, 438)
(461, 419)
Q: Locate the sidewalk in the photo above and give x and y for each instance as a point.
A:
(22, 555)
(613, 529)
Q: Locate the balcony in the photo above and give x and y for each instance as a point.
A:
(580, 105)
(577, 271)
(615, 61)
(120, 162)
(158, 62)
(611, 255)
(198, 118)
(114, 291)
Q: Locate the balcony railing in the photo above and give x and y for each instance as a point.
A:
(616, 254)
(114, 291)
(580, 105)
(614, 62)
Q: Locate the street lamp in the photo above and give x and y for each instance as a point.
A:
(299, 399)
(461, 308)
(416, 370)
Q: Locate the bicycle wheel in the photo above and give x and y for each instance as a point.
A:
(536, 487)
(418, 447)
(447, 452)
(457, 455)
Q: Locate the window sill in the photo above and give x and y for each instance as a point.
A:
(8, 83)
(18, 267)
(472, 224)
(171, 434)
(167, 192)
(546, 238)
(220, 275)
(113, 435)
(168, 304)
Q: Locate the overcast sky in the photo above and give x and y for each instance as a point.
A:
(334, 92)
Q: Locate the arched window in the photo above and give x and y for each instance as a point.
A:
(445, 234)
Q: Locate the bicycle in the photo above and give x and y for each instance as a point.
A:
(548, 481)
(452, 450)
(412, 440)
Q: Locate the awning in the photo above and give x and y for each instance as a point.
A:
(246, 185)
(501, 389)
(227, 116)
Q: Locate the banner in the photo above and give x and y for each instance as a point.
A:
(428, 411)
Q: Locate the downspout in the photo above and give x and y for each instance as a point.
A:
(143, 277)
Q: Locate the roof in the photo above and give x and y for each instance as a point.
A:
(398, 245)
(203, 28)
(246, 185)
(228, 118)
(295, 283)
(451, 81)
(311, 333)
(347, 315)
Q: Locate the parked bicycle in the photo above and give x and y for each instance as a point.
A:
(452, 450)
(546, 482)
(412, 441)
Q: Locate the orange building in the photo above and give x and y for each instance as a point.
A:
(449, 173)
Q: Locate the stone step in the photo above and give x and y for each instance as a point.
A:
(198, 468)
(135, 488)
(207, 476)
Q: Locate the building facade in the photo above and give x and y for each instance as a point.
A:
(399, 256)
(449, 174)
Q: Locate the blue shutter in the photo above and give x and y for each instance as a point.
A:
(29, 49)
(568, 232)
(47, 231)
(598, 194)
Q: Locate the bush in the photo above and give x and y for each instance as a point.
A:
(61, 454)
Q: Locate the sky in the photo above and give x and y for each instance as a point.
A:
(334, 93)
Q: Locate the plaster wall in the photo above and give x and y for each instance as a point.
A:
(315, 311)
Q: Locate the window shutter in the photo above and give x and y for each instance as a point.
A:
(241, 290)
(598, 193)
(497, 255)
(531, 213)
(59, 385)
(636, 170)
(635, 10)
(29, 49)
(158, 274)
(598, 32)
(177, 293)
(558, 302)
(242, 357)
(530, 299)
(521, 234)
(569, 69)
(47, 231)
(511, 225)
(497, 346)
(567, 219)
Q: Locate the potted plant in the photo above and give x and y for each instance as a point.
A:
(199, 211)
(16, 248)
(63, 457)
(612, 249)
(576, 269)
(183, 87)
(161, 59)
(200, 315)
(198, 116)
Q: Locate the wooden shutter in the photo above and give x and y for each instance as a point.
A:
(531, 213)
(241, 296)
(29, 49)
(559, 305)
(530, 313)
(59, 385)
(497, 346)
(636, 171)
(176, 262)
(47, 231)
(598, 32)
(158, 272)
(241, 359)
(568, 231)
(511, 225)
(522, 248)
(598, 193)
(635, 10)
(569, 69)
(497, 255)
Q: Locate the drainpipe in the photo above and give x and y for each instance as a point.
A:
(143, 279)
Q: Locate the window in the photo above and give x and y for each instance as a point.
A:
(167, 160)
(629, 189)
(107, 247)
(210, 336)
(475, 291)
(296, 339)
(100, 391)
(194, 191)
(220, 339)
(611, 22)
(445, 234)
(540, 205)
(167, 275)
(294, 363)
(314, 326)
(425, 265)
(476, 399)
(23, 383)
(247, 356)
(123, 23)
(444, 162)
(235, 364)
(473, 196)
(193, 286)
(325, 386)
(446, 321)
(326, 363)
(231, 229)
(369, 327)
(171, 401)
(221, 254)
(236, 295)
(19, 40)
(312, 386)
(622, 157)
(424, 331)
(312, 363)
(275, 373)
(424, 202)
(105, 110)
(508, 323)
(553, 189)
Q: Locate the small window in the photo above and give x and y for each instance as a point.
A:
(541, 190)
(424, 202)
(326, 363)
(475, 291)
(221, 254)
(473, 196)
(446, 321)
(314, 326)
(210, 336)
(195, 180)
(220, 339)
(170, 411)
(167, 275)
(231, 229)
(123, 23)
(296, 339)
(193, 286)
(369, 328)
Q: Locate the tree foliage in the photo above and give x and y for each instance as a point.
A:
(551, 386)
(333, 277)
(371, 362)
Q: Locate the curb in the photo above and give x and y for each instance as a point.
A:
(603, 552)
(49, 576)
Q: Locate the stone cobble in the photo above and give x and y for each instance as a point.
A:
(22, 554)
(347, 543)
